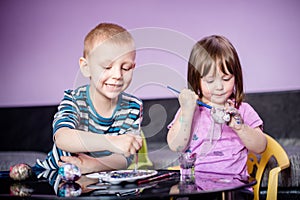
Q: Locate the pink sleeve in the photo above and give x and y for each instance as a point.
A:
(250, 116)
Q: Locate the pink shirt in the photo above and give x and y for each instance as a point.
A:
(226, 154)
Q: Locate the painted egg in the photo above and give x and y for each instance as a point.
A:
(69, 190)
(69, 172)
(20, 172)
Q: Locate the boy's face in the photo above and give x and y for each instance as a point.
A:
(111, 68)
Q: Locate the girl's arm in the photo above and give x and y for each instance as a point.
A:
(253, 138)
(179, 134)
(75, 141)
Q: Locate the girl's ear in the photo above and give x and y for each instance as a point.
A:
(84, 67)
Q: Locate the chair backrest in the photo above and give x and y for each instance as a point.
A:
(257, 163)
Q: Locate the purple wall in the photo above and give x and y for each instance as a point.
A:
(41, 42)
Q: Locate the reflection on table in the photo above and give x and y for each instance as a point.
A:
(212, 183)
(49, 183)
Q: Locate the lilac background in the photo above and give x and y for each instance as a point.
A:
(41, 41)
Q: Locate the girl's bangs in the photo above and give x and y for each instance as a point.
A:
(226, 65)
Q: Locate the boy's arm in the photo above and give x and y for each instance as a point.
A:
(75, 141)
(88, 164)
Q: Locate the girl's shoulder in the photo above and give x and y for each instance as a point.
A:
(250, 115)
(245, 106)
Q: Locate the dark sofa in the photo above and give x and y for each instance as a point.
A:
(28, 129)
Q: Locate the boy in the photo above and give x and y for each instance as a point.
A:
(89, 129)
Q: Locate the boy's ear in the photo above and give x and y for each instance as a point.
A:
(133, 65)
(84, 67)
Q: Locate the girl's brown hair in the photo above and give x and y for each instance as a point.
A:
(215, 51)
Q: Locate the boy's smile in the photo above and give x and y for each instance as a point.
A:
(110, 68)
(113, 87)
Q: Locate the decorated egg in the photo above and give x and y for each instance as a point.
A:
(20, 172)
(20, 189)
(69, 189)
(69, 172)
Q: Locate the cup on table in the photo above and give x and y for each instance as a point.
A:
(136, 157)
(187, 164)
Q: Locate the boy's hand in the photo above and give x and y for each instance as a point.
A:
(188, 100)
(126, 144)
(85, 163)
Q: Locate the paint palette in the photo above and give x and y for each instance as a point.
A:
(116, 177)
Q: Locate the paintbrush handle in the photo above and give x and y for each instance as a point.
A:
(156, 178)
(200, 103)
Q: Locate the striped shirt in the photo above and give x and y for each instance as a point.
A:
(76, 111)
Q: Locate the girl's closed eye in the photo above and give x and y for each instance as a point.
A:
(210, 79)
(227, 78)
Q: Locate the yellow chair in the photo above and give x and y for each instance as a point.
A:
(256, 167)
(144, 161)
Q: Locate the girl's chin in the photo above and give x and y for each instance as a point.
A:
(220, 102)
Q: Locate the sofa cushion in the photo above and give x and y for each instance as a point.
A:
(10, 158)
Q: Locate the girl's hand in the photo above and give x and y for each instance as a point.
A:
(188, 100)
(236, 121)
(126, 144)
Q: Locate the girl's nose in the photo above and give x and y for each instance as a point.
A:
(219, 84)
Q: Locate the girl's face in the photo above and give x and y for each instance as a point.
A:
(217, 87)
(111, 68)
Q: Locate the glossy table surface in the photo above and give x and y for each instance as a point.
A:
(50, 186)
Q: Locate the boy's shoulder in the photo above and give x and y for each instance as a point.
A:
(77, 91)
(130, 97)
(80, 93)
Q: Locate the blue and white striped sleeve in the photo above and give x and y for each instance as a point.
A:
(67, 114)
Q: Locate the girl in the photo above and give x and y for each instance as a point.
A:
(215, 78)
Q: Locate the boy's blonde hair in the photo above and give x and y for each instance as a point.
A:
(106, 32)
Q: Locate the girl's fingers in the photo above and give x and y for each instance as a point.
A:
(229, 105)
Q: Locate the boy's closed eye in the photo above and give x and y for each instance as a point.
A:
(105, 65)
(124, 66)
(127, 66)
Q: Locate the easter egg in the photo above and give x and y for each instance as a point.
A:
(20, 172)
(69, 189)
(69, 172)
